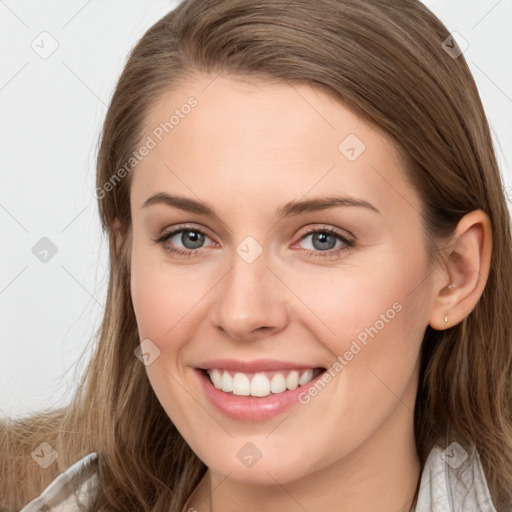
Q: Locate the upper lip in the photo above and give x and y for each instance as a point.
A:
(257, 365)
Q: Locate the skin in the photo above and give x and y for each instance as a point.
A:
(246, 149)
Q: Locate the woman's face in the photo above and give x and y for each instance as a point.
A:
(255, 171)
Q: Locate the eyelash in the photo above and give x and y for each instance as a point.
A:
(315, 253)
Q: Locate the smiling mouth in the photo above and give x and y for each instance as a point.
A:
(260, 384)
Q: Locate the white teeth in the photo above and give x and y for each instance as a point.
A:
(260, 385)
(226, 382)
(278, 383)
(305, 377)
(292, 380)
(216, 378)
(241, 384)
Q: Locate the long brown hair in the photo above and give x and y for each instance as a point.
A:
(386, 61)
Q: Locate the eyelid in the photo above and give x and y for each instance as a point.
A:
(308, 230)
(348, 241)
(184, 227)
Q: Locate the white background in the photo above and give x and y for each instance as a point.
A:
(51, 115)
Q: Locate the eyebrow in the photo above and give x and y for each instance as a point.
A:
(289, 209)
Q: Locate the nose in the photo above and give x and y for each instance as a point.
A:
(251, 301)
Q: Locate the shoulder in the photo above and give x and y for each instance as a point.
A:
(453, 480)
(70, 491)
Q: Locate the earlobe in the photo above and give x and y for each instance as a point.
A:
(466, 269)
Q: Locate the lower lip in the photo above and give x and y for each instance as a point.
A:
(252, 408)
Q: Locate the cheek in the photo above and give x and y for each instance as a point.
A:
(162, 303)
(153, 290)
(372, 323)
(152, 301)
(166, 298)
(381, 304)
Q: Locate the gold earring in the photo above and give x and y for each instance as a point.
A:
(446, 317)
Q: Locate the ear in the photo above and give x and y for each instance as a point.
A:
(459, 285)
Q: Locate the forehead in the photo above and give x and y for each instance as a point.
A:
(229, 138)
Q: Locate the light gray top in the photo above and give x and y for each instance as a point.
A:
(440, 491)
(453, 481)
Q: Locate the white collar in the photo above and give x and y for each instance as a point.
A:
(440, 488)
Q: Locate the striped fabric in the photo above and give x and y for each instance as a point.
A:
(71, 491)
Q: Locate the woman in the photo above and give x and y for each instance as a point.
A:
(309, 303)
